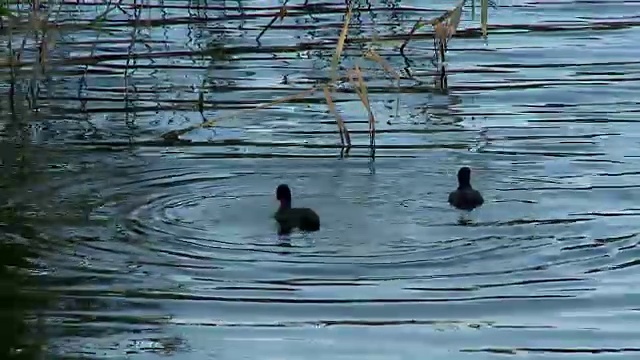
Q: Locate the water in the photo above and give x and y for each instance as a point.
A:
(121, 246)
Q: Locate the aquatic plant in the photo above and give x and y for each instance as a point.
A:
(39, 21)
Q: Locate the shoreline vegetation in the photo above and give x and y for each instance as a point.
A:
(36, 19)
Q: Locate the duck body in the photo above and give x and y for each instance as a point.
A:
(465, 197)
(304, 219)
(290, 218)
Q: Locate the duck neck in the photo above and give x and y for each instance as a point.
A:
(285, 204)
(464, 185)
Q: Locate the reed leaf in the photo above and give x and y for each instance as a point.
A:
(340, 45)
(344, 133)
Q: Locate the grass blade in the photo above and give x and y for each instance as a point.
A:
(344, 133)
(340, 45)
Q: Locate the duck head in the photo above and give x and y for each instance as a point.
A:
(283, 194)
(464, 177)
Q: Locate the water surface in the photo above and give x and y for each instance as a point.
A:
(141, 249)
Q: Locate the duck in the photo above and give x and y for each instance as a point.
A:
(289, 217)
(465, 197)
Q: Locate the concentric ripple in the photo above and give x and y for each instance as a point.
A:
(192, 246)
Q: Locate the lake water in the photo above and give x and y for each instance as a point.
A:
(117, 245)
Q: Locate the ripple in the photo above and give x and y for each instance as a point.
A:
(173, 244)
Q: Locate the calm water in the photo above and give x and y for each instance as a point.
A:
(118, 246)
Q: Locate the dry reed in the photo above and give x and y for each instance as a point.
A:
(444, 27)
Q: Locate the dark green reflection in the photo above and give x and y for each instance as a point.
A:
(20, 335)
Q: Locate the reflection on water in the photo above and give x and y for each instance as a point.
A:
(115, 244)
(21, 334)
